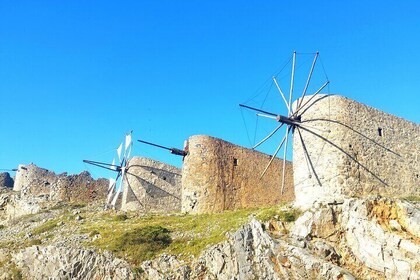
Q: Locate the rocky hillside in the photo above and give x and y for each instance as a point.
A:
(372, 238)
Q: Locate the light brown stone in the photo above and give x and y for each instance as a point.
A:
(357, 151)
(218, 175)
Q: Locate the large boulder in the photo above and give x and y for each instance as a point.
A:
(59, 262)
(5, 180)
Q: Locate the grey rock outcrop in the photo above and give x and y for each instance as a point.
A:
(5, 180)
(377, 234)
(374, 238)
(53, 262)
(249, 253)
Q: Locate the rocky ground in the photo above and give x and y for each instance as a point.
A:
(371, 238)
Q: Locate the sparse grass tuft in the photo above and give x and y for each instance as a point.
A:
(47, 226)
(93, 233)
(189, 234)
(12, 272)
(283, 214)
(412, 198)
(120, 217)
(140, 244)
(34, 242)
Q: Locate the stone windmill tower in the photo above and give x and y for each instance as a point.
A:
(342, 147)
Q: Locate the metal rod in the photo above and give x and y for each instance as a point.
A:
(173, 151)
(308, 159)
(309, 100)
(292, 80)
(284, 160)
(153, 144)
(308, 80)
(282, 94)
(267, 116)
(11, 170)
(103, 165)
(272, 158)
(268, 136)
(258, 110)
(346, 153)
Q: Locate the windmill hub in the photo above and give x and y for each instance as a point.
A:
(293, 121)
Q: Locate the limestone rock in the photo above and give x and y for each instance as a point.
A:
(368, 230)
(53, 262)
(5, 180)
(166, 267)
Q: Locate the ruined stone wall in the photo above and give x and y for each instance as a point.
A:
(218, 175)
(35, 181)
(355, 150)
(151, 187)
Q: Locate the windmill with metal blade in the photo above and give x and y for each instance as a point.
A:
(291, 121)
(116, 185)
(173, 151)
(8, 170)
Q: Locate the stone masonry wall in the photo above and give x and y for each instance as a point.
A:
(151, 187)
(35, 181)
(355, 150)
(218, 175)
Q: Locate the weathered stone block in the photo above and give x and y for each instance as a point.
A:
(151, 187)
(218, 175)
(32, 180)
(355, 150)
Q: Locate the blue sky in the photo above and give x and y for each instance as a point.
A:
(76, 75)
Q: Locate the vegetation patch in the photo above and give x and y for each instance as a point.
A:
(121, 217)
(140, 244)
(140, 238)
(412, 198)
(10, 270)
(34, 242)
(278, 213)
(47, 226)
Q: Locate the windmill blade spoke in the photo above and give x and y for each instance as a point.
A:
(292, 81)
(273, 156)
(308, 158)
(268, 136)
(111, 183)
(104, 165)
(120, 188)
(309, 100)
(284, 160)
(119, 150)
(314, 128)
(282, 94)
(109, 196)
(128, 144)
(266, 116)
(308, 80)
(346, 153)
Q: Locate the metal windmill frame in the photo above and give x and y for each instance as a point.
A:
(292, 121)
(116, 185)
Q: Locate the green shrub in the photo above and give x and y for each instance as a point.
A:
(120, 217)
(34, 242)
(47, 226)
(412, 198)
(93, 233)
(140, 244)
(286, 215)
